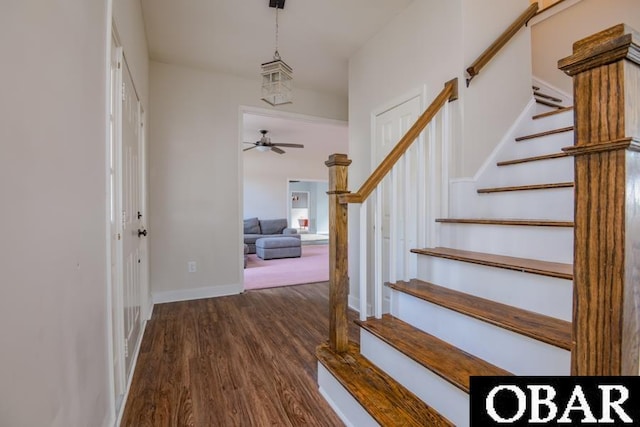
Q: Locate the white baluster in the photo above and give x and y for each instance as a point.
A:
(422, 165)
(364, 231)
(446, 150)
(394, 235)
(408, 194)
(377, 299)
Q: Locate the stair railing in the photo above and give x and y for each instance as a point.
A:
(397, 170)
(500, 42)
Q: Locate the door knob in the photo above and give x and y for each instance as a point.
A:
(142, 233)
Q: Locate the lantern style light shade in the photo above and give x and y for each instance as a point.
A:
(277, 83)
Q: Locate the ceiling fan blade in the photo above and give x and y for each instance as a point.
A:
(290, 145)
(250, 148)
(248, 142)
(277, 150)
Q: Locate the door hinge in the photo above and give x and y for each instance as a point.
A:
(126, 349)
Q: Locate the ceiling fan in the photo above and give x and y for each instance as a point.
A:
(265, 144)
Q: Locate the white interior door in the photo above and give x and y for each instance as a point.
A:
(115, 119)
(128, 257)
(132, 227)
(389, 127)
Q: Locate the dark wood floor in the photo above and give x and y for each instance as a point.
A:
(243, 360)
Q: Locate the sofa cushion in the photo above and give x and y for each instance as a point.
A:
(252, 226)
(250, 239)
(273, 226)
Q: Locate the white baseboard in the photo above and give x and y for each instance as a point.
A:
(197, 293)
(354, 303)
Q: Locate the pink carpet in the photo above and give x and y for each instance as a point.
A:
(311, 267)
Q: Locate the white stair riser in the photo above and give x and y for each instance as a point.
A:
(538, 172)
(555, 121)
(536, 147)
(541, 108)
(438, 393)
(554, 204)
(342, 402)
(543, 243)
(516, 353)
(545, 295)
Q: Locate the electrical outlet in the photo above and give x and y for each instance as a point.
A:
(191, 267)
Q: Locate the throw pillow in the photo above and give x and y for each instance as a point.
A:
(273, 226)
(251, 226)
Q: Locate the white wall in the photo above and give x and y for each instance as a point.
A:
(53, 319)
(499, 93)
(428, 44)
(196, 189)
(553, 38)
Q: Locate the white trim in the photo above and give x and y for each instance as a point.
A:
(335, 408)
(109, 34)
(240, 183)
(197, 293)
(354, 304)
(134, 362)
(552, 10)
(539, 82)
(244, 109)
(461, 180)
(151, 307)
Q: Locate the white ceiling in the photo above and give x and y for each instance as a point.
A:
(317, 37)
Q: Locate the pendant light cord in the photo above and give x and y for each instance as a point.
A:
(276, 55)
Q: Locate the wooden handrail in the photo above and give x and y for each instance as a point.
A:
(495, 47)
(448, 93)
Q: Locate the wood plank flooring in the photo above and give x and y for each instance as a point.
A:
(242, 360)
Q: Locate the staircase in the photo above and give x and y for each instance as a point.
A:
(493, 298)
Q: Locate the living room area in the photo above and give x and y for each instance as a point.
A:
(285, 205)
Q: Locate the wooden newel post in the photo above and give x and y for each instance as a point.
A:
(338, 165)
(606, 310)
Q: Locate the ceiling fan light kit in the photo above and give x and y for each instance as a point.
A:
(277, 76)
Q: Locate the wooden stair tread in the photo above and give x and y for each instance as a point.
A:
(489, 221)
(526, 265)
(548, 103)
(545, 96)
(526, 187)
(445, 360)
(388, 402)
(553, 112)
(545, 133)
(532, 159)
(534, 325)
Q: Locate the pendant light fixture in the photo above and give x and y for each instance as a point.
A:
(277, 76)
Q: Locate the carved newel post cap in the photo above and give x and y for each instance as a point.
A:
(608, 46)
(338, 160)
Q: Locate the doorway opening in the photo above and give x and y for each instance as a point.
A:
(309, 210)
(288, 188)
